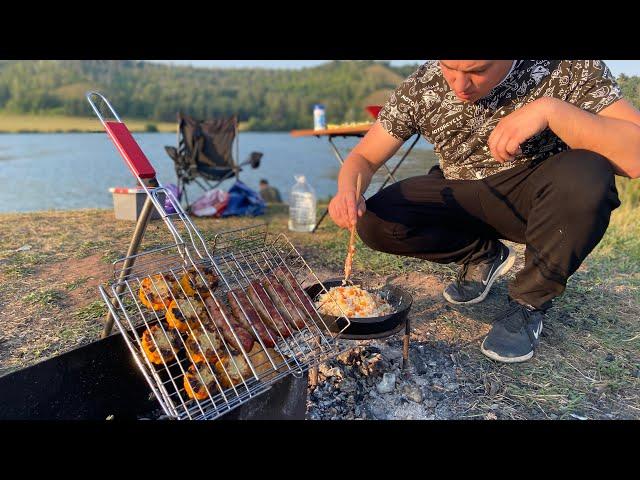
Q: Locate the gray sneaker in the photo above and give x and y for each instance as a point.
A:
(473, 282)
(515, 334)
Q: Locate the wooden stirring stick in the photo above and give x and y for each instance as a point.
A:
(352, 248)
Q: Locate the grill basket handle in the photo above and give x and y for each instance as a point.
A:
(121, 136)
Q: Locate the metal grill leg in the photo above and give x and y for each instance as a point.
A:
(405, 344)
(141, 226)
(184, 192)
(313, 376)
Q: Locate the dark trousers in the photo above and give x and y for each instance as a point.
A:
(559, 208)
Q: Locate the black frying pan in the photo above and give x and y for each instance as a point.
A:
(399, 299)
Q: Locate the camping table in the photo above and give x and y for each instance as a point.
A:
(350, 131)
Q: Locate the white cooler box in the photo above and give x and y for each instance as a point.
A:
(128, 203)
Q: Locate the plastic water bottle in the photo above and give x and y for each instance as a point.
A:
(302, 206)
(319, 117)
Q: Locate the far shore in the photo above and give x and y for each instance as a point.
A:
(24, 123)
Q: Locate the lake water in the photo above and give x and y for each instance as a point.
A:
(75, 170)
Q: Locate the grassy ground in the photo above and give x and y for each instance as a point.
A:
(18, 123)
(588, 365)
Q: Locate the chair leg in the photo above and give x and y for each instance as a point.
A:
(200, 184)
(184, 195)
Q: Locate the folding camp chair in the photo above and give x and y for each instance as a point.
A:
(205, 152)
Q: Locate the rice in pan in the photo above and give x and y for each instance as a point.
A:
(353, 302)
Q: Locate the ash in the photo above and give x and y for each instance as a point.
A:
(366, 382)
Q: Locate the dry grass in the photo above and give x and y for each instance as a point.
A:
(588, 365)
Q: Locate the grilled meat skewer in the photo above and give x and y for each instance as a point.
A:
(216, 313)
(266, 309)
(295, 291)
(283, 303)
(253, 320)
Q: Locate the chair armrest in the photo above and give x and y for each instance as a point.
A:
(172, 152)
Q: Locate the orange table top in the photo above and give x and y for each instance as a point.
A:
(352, 130)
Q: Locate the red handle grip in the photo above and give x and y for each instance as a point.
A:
(130, 150)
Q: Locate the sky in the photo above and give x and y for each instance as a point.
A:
(628, 67)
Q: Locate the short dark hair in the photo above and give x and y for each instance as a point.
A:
(264, 181)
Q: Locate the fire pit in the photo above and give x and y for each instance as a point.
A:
(101, 381)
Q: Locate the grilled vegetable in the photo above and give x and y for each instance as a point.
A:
(193, 283)
(262, 365)
(164, 347)
(155, 291)
(184, 313)
(198, 379)
(205, 343)
(233, 371)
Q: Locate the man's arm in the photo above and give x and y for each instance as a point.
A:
(366, 158)
(613, 133)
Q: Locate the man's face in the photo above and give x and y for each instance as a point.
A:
(471, 80)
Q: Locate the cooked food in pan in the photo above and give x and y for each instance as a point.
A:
(352, 301)
(185, 310)
(159, 345)
(192, 281)
(156, 291)
(200, 379)
(205, 343)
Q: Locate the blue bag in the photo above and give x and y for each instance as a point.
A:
(244, 201)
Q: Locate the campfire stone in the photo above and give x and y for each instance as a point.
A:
(378, 412)
(451, 387)
(387, 384)
(430, 403)
(413, 393)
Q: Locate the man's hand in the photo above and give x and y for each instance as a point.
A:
(342, 208)
(518, 127)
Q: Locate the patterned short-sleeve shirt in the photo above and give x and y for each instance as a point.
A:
(424, 103)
